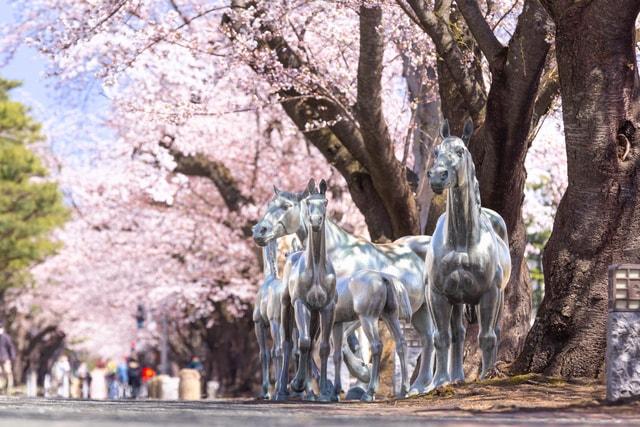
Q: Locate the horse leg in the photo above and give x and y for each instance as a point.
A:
(370, 327)
(338, 330)
(327, 317)
(313, 373)
(423, 324)
(287, 329)
(441, 311)
(393, 323)
(457, 344)
(487, 337)
(303, 320)
(497, 327)
(277, 346)
(264, 357)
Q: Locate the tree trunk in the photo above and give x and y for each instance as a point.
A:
(599, 216)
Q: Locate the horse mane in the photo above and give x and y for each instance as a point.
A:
(471, 176)
(293, 196)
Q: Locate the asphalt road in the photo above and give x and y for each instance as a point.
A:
(22, 412)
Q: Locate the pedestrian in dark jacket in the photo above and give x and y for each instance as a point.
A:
(134, 372)
(7, 356)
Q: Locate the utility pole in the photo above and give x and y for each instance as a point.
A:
(164, 346)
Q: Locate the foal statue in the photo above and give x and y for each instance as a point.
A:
(310, 290)
(369, 296)
(468, 263)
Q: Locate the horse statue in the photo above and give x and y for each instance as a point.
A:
(402, 259)
(369, 296)
(468, 261)
(310, 290)
(264, 311)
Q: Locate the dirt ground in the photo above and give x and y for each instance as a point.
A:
(525, 393)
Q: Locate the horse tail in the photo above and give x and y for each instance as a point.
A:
(397, 298)
(471, 314)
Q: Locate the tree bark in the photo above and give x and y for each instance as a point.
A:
(499, 150)
(599, 216)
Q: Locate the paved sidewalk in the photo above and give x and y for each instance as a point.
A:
(22, 412)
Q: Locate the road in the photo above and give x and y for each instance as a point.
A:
(22, 412)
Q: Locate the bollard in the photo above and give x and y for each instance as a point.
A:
(153, 387)
(623, 332)
(47, 385)
(190, 388)
(32, 384)
(212, 389)
(75, 389)
(169, 387)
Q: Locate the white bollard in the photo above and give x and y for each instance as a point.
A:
(212, 389)
(85, 388)
(64, 390)
(32, 384)
(169, 388)
(47, 385)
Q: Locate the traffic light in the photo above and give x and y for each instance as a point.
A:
(140, 316)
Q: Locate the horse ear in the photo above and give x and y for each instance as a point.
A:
(467, 131)
(323, 187)
(276, 191)
(444, 129)
(311, 187)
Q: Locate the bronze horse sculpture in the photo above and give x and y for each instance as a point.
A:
(310, 291)
(402, 259)
(468, 261)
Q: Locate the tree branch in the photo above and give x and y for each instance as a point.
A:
(443, 38)
(484, 36)
(369, 94)
(201, 166)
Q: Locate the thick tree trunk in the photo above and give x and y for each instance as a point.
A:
(599, 216)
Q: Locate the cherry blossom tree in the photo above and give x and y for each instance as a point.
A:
(213, 102)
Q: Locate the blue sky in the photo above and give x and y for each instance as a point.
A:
(69, 117)
(27, 66)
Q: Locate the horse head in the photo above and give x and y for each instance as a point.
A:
(449, 157)
(316, 207)
(282, 216)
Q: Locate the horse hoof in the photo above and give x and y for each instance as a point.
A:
(367, 397)
(354, 393)
(310, 396)
(297, 385)
(280, 397)
(329, 397)
(417, 390)
(264, 396)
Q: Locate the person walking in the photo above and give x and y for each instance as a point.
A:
(7, 356)
(134, 373)
(123, 378)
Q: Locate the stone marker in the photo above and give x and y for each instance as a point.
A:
(623, 332)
